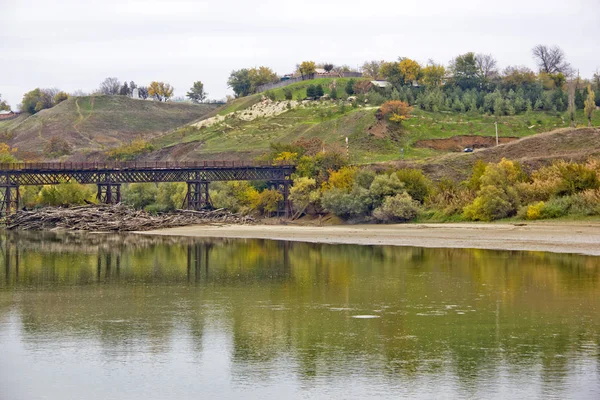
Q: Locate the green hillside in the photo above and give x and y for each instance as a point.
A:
(96, 123)
(332, 121)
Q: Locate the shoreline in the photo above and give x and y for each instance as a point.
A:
(569, 237)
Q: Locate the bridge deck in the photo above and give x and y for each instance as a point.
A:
(19, 174)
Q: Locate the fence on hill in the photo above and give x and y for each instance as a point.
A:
(269, 86)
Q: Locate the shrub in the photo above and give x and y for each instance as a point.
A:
(343, 204)
(586, 202)
(491, 203)
(534, 211)
(311, 91)
(416, 184)
(65, 194)
(319, 92)
(449, 198)
(304, 193)
(333, 94)
(396, 110)
(342, 179)
(575, 178)
(287, 93)
(364, 177)
(236, 196)
(398, 208)
(350, 87)
(130, 151)
(170, 195)
(383, 186)
(57, 147)
(267, 201)
(140, 195)
(7, 155)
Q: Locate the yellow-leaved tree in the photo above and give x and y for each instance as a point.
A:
(160, 91)
(410, 70)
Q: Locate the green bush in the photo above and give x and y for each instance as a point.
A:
(416, 184)
(237, 196)
(586, 202)
(304, 193)
(65, 194)
(140, 195)
(357, 203)
(398, 208)
(287, 93)
(268, 201)
(385, 185)
(497, 197)
(170, 195)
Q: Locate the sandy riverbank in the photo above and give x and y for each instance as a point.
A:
(582, 238)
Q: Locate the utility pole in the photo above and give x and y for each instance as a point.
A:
(496, 124)
(347, 149)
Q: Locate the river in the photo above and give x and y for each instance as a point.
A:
(96, 316)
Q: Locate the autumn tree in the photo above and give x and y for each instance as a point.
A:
(590, 104)
(4, 105)
(59, 97)
(551, 60)
(395, 110)
(410, 70)
(370, 69)
(390, 71)
(307, 68)
(160, 91)
(515, 77)
(197, 93)
(110, 86)
(433, 74)
(261, 76)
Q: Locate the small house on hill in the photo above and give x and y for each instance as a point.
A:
(8, 114)
(381, 84)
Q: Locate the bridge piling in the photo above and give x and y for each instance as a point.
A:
(109, 193)
(197, 196)
(10, 198)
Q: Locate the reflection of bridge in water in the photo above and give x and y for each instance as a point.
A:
(114, 263)
(108, 177)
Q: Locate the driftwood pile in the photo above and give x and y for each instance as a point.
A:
(118, 217)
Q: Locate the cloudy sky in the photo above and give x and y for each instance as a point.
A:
(76, 44)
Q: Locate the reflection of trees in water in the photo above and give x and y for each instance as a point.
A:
(295, 300)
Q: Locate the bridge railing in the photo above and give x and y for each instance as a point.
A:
(132, 165)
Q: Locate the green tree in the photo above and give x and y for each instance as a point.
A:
(239, 82)
(350, 87)
(319, 92)
(465, 71)
(4, 105)
(197, 93)
(311, 91)
(36, 100)
(140, 195)
(590, 104)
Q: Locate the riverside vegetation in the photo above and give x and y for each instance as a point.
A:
(324, 183)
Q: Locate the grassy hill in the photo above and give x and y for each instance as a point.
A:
(92, 124)
(235, 135)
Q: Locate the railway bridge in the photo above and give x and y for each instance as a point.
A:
(109, 176)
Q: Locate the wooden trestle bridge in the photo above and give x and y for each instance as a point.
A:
(109, 176)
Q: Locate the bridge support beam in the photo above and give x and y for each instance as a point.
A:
(285, 206)
(10, 198)
(109, 193)
(197, 197)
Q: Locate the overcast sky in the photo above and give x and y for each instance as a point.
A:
(76, 44)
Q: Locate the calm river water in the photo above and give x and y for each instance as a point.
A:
(136, 317)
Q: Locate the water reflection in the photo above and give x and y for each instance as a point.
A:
(278, 318)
